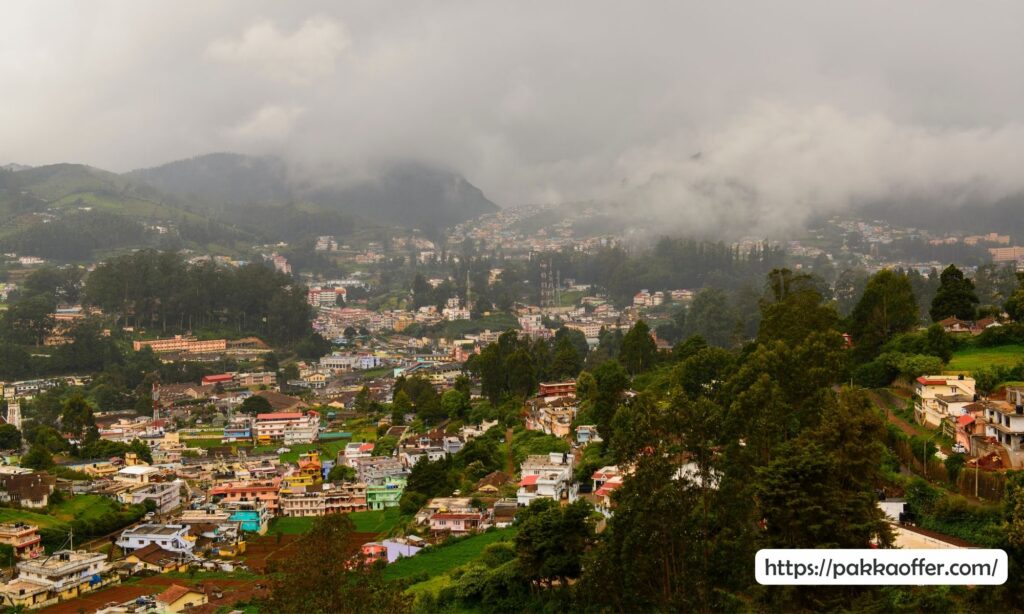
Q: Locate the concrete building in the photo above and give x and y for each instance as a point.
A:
(288, 427)
(65, 574)
(23, 538)
(166, 496)
(548, 477)
(330, 499)
(170, 537)
(935, 390)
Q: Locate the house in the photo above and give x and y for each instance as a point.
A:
(166, 496)
(557, 389)
(177, 598)
(22, 538)
(551, 415)
(31, 490)
(385, 494)
(137, 474)
(65, 574)
(261, 378)
(956, 326)
(1004, 420)
(503, 514)
(377, 469)
(443, 504)
(357, 449)
(155, 558)
(456, 523)
(492, 482)
(928, 408)
(586, 433)
(251, 516)
(606, 481)
(409, 456)
(290, 427)
(282, 402)
(265, 492)
(171, 537)
(224, 379)
(547, 476)
(330, 499)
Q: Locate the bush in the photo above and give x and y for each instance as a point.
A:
(1008, 334)
(875, 374)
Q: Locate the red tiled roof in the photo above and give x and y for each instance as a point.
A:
(173, 593)
(529, 480)
(931, 382)
(964, 420)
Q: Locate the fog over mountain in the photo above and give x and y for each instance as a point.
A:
(733, 118)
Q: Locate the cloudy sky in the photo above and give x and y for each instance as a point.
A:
(699, 111)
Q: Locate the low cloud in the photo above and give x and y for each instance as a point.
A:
(309, 52)
(769, 170)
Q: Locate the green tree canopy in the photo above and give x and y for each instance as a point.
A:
(955, 297)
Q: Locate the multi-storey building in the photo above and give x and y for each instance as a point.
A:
(547, 477)
(288, 427)
(934, 393)
(63, 575)
(385, 494)
(331, 499)
(179, 343)
(166, 496)
(23, 538)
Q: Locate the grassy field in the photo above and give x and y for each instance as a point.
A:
(291, 525)
(378, 521)
(973, 358)
(328, 450)
(41, 520)
(436, 561)
(86, 507)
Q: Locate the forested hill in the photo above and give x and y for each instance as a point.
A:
(400, 193)
(73, 212)
(70, 212)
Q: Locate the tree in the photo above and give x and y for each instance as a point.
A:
(639, 352)
(886, 308)
(38, 457)
(552, 539)
(567, 361)
(1015, 304)
(321, 578)
(522, 378)
(341, 473)
(77, 417)
(10, 437)
(711, 316)
(454, 404)
(795, 309)
(849, 287)
(610, 381)
(256, 404)
(955, 297)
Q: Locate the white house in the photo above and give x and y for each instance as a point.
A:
(548, 477)
(936, 393)
(170, 537)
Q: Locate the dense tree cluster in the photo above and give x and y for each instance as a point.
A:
(515, 365)
(162, 291)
